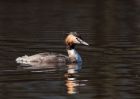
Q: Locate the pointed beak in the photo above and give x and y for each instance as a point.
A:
(84, 43)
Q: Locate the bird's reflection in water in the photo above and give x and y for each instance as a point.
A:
(44, 67)
(71, 73)
(72, 83)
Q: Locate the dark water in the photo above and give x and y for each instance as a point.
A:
(111, 64)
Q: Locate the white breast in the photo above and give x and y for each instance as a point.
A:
(73, 54)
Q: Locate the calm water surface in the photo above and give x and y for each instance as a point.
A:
(111, 64)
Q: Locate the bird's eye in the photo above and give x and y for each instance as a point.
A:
(79, 40)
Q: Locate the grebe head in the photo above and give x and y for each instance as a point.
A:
(71, 40)
(74, 38)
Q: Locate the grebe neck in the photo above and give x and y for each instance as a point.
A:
(73, 54)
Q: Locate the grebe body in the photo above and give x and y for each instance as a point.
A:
(71, 41)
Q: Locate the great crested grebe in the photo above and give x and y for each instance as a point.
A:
(71, 40)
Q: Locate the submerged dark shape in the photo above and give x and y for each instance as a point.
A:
(71, 41)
